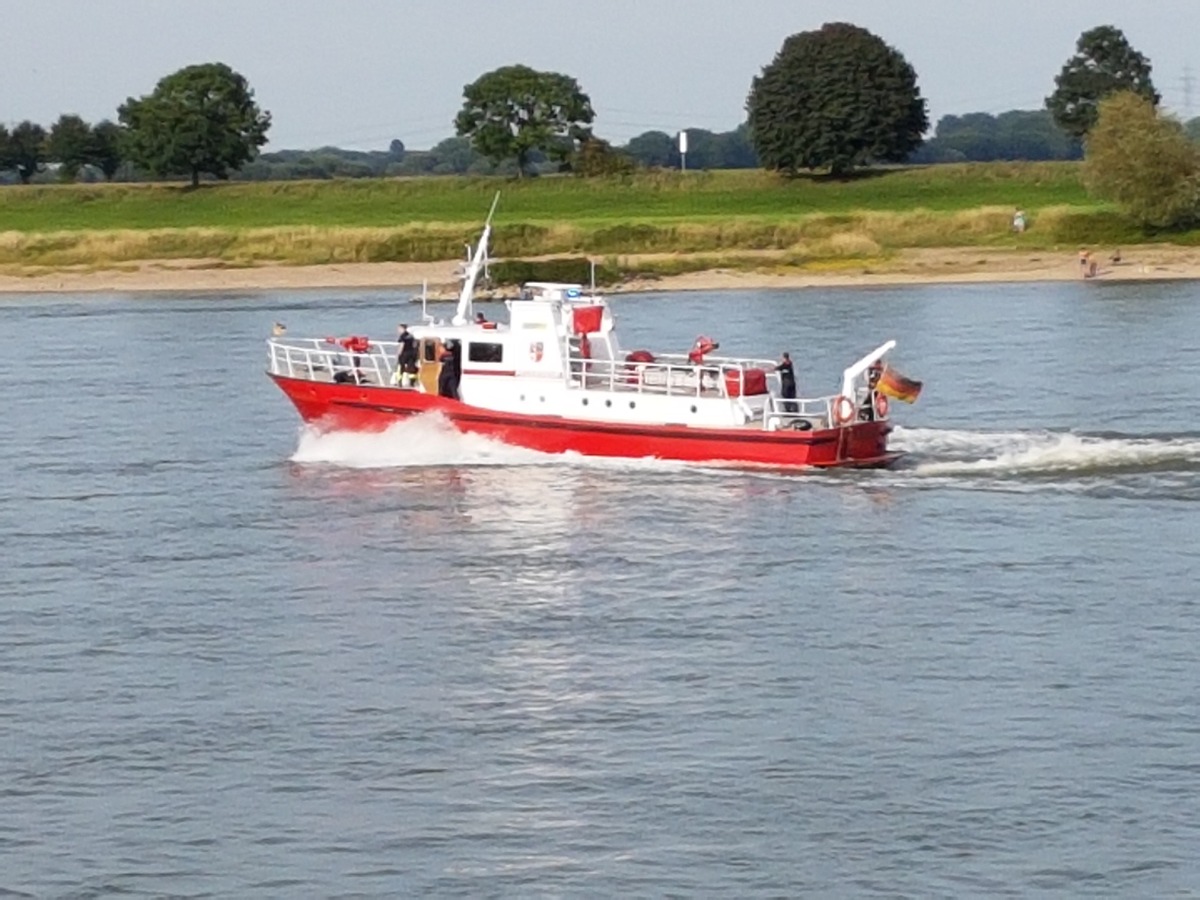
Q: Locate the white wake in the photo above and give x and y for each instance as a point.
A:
(426, 440)
(950, 452)
(430, 440)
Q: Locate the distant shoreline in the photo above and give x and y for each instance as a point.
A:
(917, 266)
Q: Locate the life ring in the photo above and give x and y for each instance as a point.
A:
(881, 406)
(843, 409)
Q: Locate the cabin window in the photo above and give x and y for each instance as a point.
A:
(485, 353)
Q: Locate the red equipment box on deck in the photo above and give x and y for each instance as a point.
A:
(753, 380)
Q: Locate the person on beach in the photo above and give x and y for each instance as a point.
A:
(787, 383)
(1018, 222)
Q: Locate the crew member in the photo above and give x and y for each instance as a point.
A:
(787, 383)
(448, 376)
(866, 412)
(406, 360)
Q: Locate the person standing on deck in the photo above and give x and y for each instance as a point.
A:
(448, 377)
(787, 383)
(406, 360)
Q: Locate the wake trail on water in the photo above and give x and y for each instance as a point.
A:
(430, 440)
(934, 452)
(421, 441)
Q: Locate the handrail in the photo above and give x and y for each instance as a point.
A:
(779, 414)
(670, 375)
(304, 357)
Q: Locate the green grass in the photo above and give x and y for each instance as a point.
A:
(653, 197)
(718, 214)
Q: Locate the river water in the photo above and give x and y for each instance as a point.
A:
(238, 659)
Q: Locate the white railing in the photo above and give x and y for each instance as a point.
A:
(319, 360)
(672, 375)
(798, 414)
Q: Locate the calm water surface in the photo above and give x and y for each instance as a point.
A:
(238, 659)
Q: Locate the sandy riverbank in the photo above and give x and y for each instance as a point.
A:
(961, 265)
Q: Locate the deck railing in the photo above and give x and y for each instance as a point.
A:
(319, 360)
(672, 375)
(799, 414)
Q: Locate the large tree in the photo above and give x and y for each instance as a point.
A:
(513, 111)
(1103, 64)
(27, 150)
(836, 98)
(69, 145)
(201, 119)
(1144, 162)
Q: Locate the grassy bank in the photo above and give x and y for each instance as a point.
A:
(727, 215)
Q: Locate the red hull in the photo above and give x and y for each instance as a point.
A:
(354, 407)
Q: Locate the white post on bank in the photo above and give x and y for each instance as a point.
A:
(683, 151)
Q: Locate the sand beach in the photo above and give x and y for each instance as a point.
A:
(914, 266)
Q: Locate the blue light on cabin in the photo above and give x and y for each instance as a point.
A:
(572, 292)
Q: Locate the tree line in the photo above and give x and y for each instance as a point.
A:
(834, 99)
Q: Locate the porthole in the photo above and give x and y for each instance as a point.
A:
(632, 404)
(693, 407)
(608, 403)
(585, 401)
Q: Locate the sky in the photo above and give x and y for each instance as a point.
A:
(359, 73)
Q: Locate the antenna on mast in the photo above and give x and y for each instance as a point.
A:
(462, 314)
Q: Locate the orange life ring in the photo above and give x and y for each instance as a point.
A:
(881, 406)
(843, 409)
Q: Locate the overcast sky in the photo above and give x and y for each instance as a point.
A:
(358, 73)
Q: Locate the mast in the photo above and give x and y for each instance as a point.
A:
(462, 315)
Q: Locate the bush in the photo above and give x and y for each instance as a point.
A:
(1144, 162)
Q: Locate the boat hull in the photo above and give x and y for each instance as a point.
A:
(360, 407)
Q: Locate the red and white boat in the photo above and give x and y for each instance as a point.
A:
(554, 378)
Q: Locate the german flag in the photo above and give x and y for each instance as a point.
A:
(898, 386)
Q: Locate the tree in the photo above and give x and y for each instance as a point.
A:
(69, 145)
(201, 119)
(599, 157)
(6, 161)
(1144, 162)
(1103, 64)
(980, 137)
(27, 150)
(452, 156)
(736, 150)
(512, 111)
(655, 149)
(105, 152)
(837, 98)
